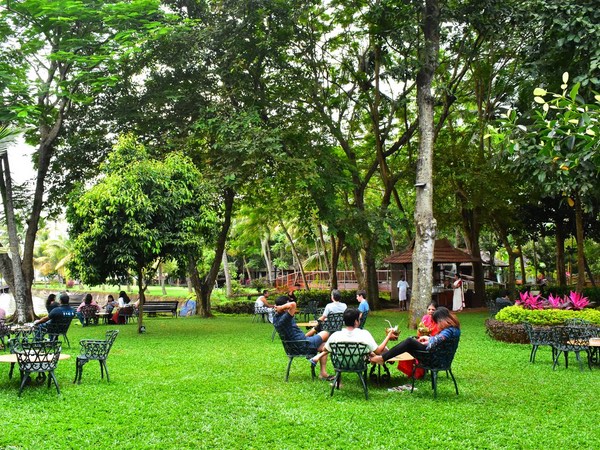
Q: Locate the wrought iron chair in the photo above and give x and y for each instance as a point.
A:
(125, 314)
(310, 311)
(349, 357)
(38, 357)
(334, 322)
(572, 338)
(259, 313)
(89, 314)
(95, 350)
(58, 327)
(539, 336)
(19, 337)
(438, 359)
(298, 349)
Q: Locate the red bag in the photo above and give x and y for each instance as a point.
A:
(406, 367)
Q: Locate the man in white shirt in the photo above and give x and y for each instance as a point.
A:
(261, 302)
(352, 333)
(336, 306)
(402, 292)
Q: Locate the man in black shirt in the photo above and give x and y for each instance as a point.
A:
(62, 313)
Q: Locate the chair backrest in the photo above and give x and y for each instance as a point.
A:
(572, 337)
(38, 356)
(89, 311)
(19, 337)
(298, 348)
(126, 310)
(349, 356)
(334, 322)
(58, 325)
(111, 336)
(260, 309)
(97, 349)
(440, 357)
(539, 335)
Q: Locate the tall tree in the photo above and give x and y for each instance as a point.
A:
(425, 223)
(56, 53)
(140, 213)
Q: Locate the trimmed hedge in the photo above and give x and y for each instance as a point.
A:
(517, 314)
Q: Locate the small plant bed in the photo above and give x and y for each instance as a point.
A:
(506, 326)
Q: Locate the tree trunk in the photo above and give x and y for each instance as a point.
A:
(560, 253)
(142, 298)
(372, 282)
(295, 254)
(522, 264)
(472, 228)
(425, 223)
(161, 279)
(358, 270)
(228, 290)
(579, 239)
(247, 269)
(203, 288)
(21, 290)
(266, 252)
(324, 245)
(336, 249)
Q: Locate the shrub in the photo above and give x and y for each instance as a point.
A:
(517, 314)
(235, 307)
(259, 284)
(574, 300)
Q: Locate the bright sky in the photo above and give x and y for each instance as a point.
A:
(19, 156)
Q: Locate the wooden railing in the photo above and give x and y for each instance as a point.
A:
(320, 280)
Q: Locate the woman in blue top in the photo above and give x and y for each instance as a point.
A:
(448, 326)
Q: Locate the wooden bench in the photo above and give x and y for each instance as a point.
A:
(166, 306)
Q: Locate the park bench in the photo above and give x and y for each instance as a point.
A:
(164, 306)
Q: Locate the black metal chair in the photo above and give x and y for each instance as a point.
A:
(572, 338)
(89, 313)
(438, 359)
(19, 336)
(125, 314)
(38, 357)
(298, 349)
(539, 336)
(58, 327)
(334, 322)
(260, 312)
(310, 311)
(349, 357)
(95, 350)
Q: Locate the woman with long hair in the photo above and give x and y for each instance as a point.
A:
(51, 303)
(448, 326)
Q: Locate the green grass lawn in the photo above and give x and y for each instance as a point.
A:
(219, 383)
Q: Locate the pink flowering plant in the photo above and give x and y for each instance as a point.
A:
(574, 301)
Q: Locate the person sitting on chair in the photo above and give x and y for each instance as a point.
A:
(87, 301)
(285, 324)
(261, 302)
(427, 327)
(63, 312)
(448, 326)
(51, 303)
(352, 333)
(336, 306)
